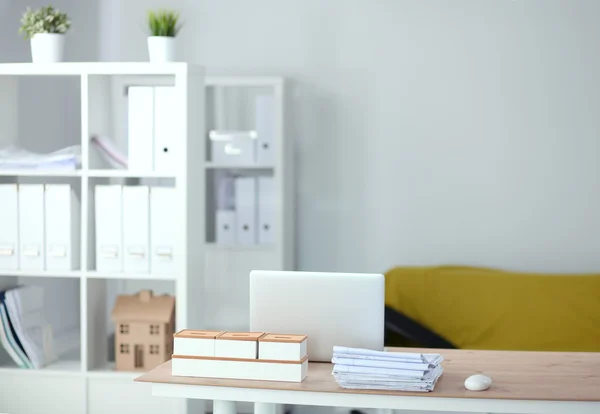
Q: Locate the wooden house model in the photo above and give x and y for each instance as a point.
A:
(144, 327)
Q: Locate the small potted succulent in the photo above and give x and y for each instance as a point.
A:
(46, 28)
(163, 25)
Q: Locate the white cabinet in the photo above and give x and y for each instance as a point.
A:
(84, 381)
(28, 393)
(110, 396)
(210, 281)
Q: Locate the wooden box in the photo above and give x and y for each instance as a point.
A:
(255, 369)
(195, 343)
(240, 355)
(237, 345)
(280, 347)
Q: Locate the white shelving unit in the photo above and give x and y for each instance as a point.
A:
(230, 106)
(211, 285)
(48, 106)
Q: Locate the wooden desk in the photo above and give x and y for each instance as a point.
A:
(523, 382)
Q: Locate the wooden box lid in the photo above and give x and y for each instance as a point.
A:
(284, 338)
(190, 333)
(241, 336)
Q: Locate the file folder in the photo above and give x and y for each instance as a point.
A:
(62, 218)
(245, 207)
(162, 230)
(266, 210)
(140, 128)
(266, 127)
(225, 190)
(109, 228)
(9, 223)
(225, 226)
(31, 227)
(136, 226)
(166, 132)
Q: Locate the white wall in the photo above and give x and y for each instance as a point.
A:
(427, 131)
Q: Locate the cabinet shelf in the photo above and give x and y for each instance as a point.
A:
(95, 68)
(60, 367)
(40, 173)
(85, 274)
(127, 174)
(127, 276)
(240, 247)
(210, 166)
(86, 173)
(42, 273)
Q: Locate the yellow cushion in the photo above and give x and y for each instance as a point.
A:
(477, 308)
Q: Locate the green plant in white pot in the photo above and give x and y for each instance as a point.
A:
(46, 27)
(164, 26)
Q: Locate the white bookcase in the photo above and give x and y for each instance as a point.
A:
(47, 107)
(231, 106)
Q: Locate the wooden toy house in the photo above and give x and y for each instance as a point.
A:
(144, 327)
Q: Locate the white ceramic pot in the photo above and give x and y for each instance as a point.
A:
(161, 48)
(47, 47)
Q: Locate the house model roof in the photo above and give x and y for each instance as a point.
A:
(144, 307)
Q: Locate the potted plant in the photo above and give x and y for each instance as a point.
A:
(163, 25)
(46, 28)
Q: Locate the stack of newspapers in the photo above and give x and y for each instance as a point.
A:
(357, 368)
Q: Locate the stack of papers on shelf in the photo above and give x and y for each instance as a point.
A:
(25, 333)
(357, 368)
(14, 158)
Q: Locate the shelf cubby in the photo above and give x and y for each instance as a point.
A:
(61, 308)
(102, 294)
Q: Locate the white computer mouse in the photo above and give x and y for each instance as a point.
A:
(478, 382)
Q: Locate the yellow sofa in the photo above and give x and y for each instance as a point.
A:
(478, 308)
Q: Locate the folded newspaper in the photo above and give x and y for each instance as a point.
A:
(356, 368)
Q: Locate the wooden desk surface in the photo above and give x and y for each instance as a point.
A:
(553, 376)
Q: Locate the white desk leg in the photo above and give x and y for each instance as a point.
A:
(223, 407)
(264, 408)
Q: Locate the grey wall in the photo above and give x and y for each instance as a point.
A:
(9, 25)
(53, 103)
(427, 131)
(82, 40)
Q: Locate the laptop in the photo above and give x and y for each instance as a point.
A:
(345, 309)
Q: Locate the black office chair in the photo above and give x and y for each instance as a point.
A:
(414, 332)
